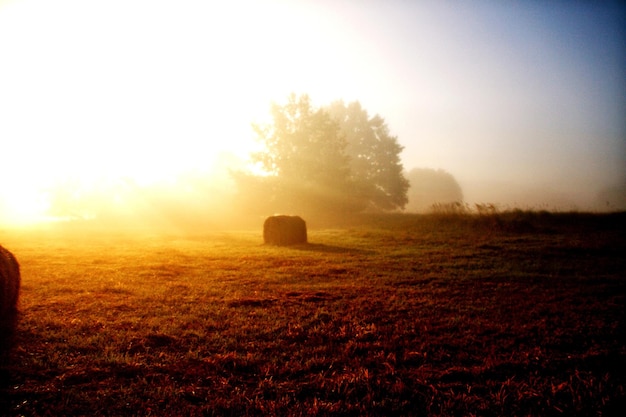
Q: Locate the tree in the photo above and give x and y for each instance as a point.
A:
(429, 187)
(310, 163)
(374, 156)
(303, 145)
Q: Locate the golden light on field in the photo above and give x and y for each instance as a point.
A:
(148, 92)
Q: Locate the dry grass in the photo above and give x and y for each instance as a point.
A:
(500, 314)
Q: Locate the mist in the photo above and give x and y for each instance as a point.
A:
(188, 203)
(522, 103)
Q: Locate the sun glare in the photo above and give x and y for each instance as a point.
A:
(172, 90)
(24, 206)
(142, 103)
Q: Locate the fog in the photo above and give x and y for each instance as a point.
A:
(138, 110)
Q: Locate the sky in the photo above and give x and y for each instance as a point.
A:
(523, 102)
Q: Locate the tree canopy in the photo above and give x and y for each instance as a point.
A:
(374, 156)
(333, 159)
(431, 186)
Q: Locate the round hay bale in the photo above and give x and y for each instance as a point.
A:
(284, 230)
(9, 289)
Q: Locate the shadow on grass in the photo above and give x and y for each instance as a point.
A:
(23, 366)
(8, 326)
(5, 383)
(8, 341)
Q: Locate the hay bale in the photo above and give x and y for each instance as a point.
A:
(9, 289)
(284, 230)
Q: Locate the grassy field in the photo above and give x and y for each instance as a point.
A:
(506, 314)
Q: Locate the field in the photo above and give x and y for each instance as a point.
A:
(510, 314)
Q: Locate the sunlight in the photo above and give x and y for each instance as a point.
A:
(172, 89)
(23, 206)
(139, 103)
(148, 90)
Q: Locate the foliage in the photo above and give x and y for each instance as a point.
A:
(398, 315)
(374, 156)
(325, 160)
(303, 144)
(450, 209)
(430, 187)
(486, 209)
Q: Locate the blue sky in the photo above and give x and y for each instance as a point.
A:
(522, 101)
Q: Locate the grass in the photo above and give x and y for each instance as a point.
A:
(515, 313)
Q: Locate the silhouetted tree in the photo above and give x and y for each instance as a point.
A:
(312, 163)
(430, 186)
(374, 156)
